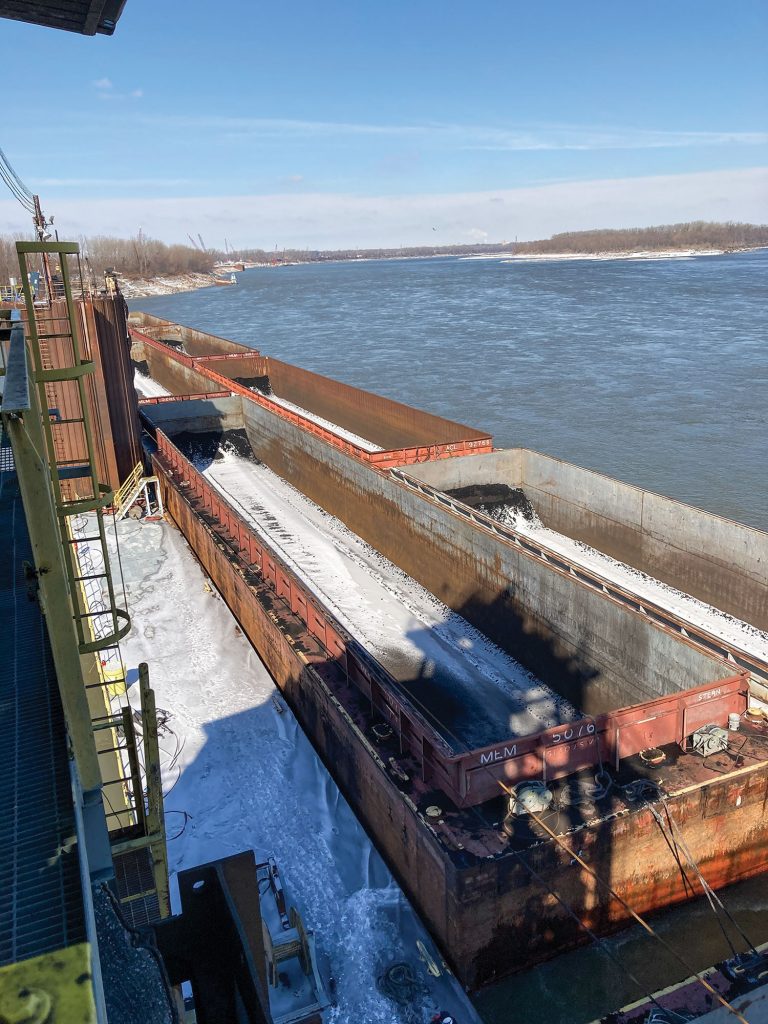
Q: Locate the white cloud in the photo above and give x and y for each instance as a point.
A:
(321, 221)
(107, 93)
(468, 136)
(102, 83)
(113, 183)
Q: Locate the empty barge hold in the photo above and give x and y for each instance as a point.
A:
(374, 429)
(496, 890)
(471, 692)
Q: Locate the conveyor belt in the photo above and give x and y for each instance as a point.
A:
(41, 907)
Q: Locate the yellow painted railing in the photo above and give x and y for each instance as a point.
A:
(128, 486)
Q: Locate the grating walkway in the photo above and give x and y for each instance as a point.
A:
(41, 905)
(135, 885)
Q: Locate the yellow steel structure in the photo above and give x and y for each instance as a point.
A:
(53, 987)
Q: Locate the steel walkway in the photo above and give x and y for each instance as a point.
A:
(42, 904)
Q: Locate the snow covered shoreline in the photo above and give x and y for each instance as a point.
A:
(646, 254)
(171, 285)
(143, 287)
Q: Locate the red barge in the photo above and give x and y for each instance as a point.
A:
(655, 691)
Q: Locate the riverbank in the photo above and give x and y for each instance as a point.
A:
(629, 254)
(142, 287)
(139, 288)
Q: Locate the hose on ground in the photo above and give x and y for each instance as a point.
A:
(399, 983)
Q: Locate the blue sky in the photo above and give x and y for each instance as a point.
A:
(336, 123)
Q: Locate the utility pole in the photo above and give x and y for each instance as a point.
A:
(41, 226)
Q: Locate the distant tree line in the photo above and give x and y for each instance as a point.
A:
(146, 257)
(698, 234)
(9, 262)
(130, 257)
(694, 235)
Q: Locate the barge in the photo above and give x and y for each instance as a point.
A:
(625, 695)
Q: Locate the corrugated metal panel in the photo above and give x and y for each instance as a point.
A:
(111, 396)
(105, 327)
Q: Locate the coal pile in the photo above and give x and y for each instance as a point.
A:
(499, 501)
(204, 448)
(260, 384)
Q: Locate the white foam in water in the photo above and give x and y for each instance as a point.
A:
(240, 775)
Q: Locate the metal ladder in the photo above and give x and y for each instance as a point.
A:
(59, 430)
(71, 453)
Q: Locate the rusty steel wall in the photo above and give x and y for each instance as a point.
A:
(468, 776)
(497, 907)
(721, 562)
(179, 373)
(387, 423)
(489, 916)
(111, 398)
(104, 326)
(178, 376)
(234, 364)
(196, 343)
(716, 560)
(211, 412)
(62, 398)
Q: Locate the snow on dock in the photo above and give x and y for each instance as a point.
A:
(239, 774)
(739, 634)
(470, 690)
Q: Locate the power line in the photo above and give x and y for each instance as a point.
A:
(20, 196)
(16, 186)
(4, 160)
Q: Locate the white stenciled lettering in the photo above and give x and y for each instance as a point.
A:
(498, 755)
(709, 694)
(585, 729)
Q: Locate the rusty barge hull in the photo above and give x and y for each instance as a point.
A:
(495, 903)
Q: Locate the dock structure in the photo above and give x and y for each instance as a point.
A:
(644, 685)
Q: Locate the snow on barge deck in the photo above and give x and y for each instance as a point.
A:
(497, 899)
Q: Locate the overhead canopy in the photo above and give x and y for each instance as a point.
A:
(84, 16)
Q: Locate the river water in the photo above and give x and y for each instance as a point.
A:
(651, 371)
